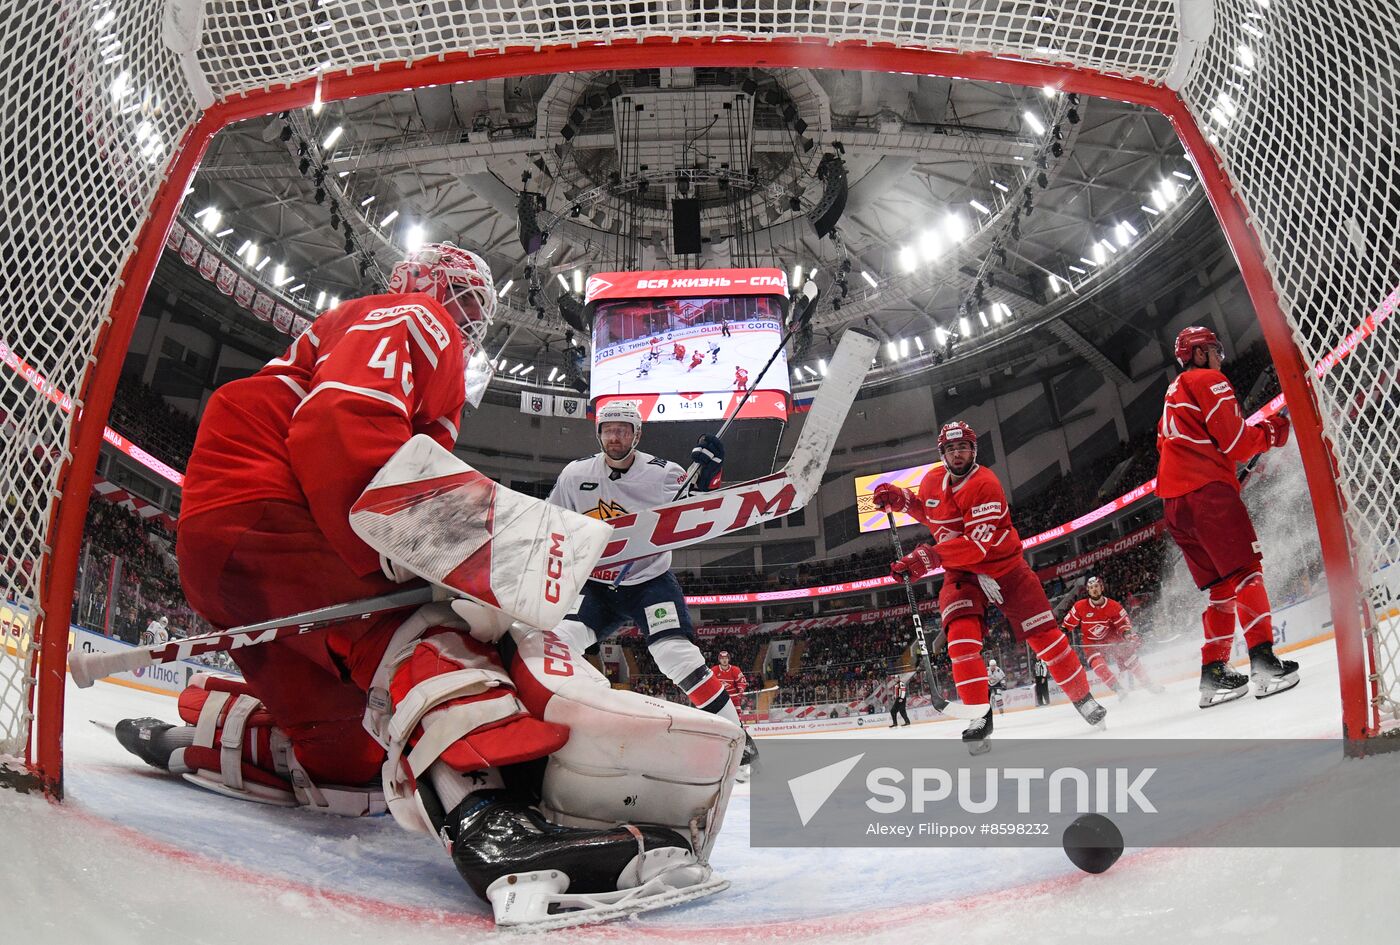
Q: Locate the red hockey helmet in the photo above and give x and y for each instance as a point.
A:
(956, 432)
(450, 274)
(1189, 339)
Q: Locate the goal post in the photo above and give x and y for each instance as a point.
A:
(114, 131)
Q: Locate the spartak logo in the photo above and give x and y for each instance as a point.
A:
(597, 284)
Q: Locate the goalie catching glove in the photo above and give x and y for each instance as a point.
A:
(918, 564)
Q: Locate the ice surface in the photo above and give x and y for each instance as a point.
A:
(136, 856)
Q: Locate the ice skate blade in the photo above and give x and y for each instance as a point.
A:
(968, 713)
(536, 901)
(1220, 698)
(1273, 685)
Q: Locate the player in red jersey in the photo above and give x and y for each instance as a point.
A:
(965, 508)
(1201, 437)
(733, 678)
(678, 351)
(696, 360)
(408, 710)
(741, 379)
(1106, 633)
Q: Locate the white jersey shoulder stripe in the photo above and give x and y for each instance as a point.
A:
(300, 391)
(351, 389)
(451, 427)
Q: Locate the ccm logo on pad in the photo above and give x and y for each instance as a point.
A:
(554, 568)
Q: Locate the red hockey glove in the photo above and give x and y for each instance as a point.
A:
(892, 498)
(1275, 430)
(918, 564)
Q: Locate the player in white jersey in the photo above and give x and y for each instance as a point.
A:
(714, 353)
(156, 632)
(622, 479)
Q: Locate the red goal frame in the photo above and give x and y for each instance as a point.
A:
(58, 567)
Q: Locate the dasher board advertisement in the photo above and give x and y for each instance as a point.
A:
(687, 343)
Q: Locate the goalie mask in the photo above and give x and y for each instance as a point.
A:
(617, 447)
(458, 279)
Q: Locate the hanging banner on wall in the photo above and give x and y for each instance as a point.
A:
(536, 404)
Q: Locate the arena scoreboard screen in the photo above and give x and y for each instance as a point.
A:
(686, 344)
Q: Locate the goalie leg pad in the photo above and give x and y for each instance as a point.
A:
(441, 695)
(237, 751)
(629, 758)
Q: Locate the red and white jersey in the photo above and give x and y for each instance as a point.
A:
(1102, 622)
(898, 691)
(678, 350)
(354, 387)
(970, 520)
(1202, 434)
(733, 678)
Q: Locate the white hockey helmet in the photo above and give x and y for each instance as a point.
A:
(619, 411)
(1094, 579)
(451, 275)
(991, 662)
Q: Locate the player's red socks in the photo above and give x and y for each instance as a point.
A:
(1219, 621)
(1253, 610)
(1052, 646)
(1100, 666)
(965, 653)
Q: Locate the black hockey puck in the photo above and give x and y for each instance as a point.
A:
(1093, 843)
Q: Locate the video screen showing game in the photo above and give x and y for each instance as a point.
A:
(690, 357)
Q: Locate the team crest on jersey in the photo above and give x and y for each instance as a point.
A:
(606, 511)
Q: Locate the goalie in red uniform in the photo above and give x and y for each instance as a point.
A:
(1106, 633)
(1201, 437)
(413, 711)
(965, 508)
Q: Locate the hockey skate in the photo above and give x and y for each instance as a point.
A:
(748, 763)
(152, 740)
(977, 734)
(1270, 674)
(538, 875)
(1221, 684)
(1093, 713)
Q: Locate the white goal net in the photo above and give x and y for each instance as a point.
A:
(102, 109)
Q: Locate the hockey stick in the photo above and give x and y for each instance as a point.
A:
(639, 535)
(89, 667)
(709, 515)
(940, 704)
(800, 318)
